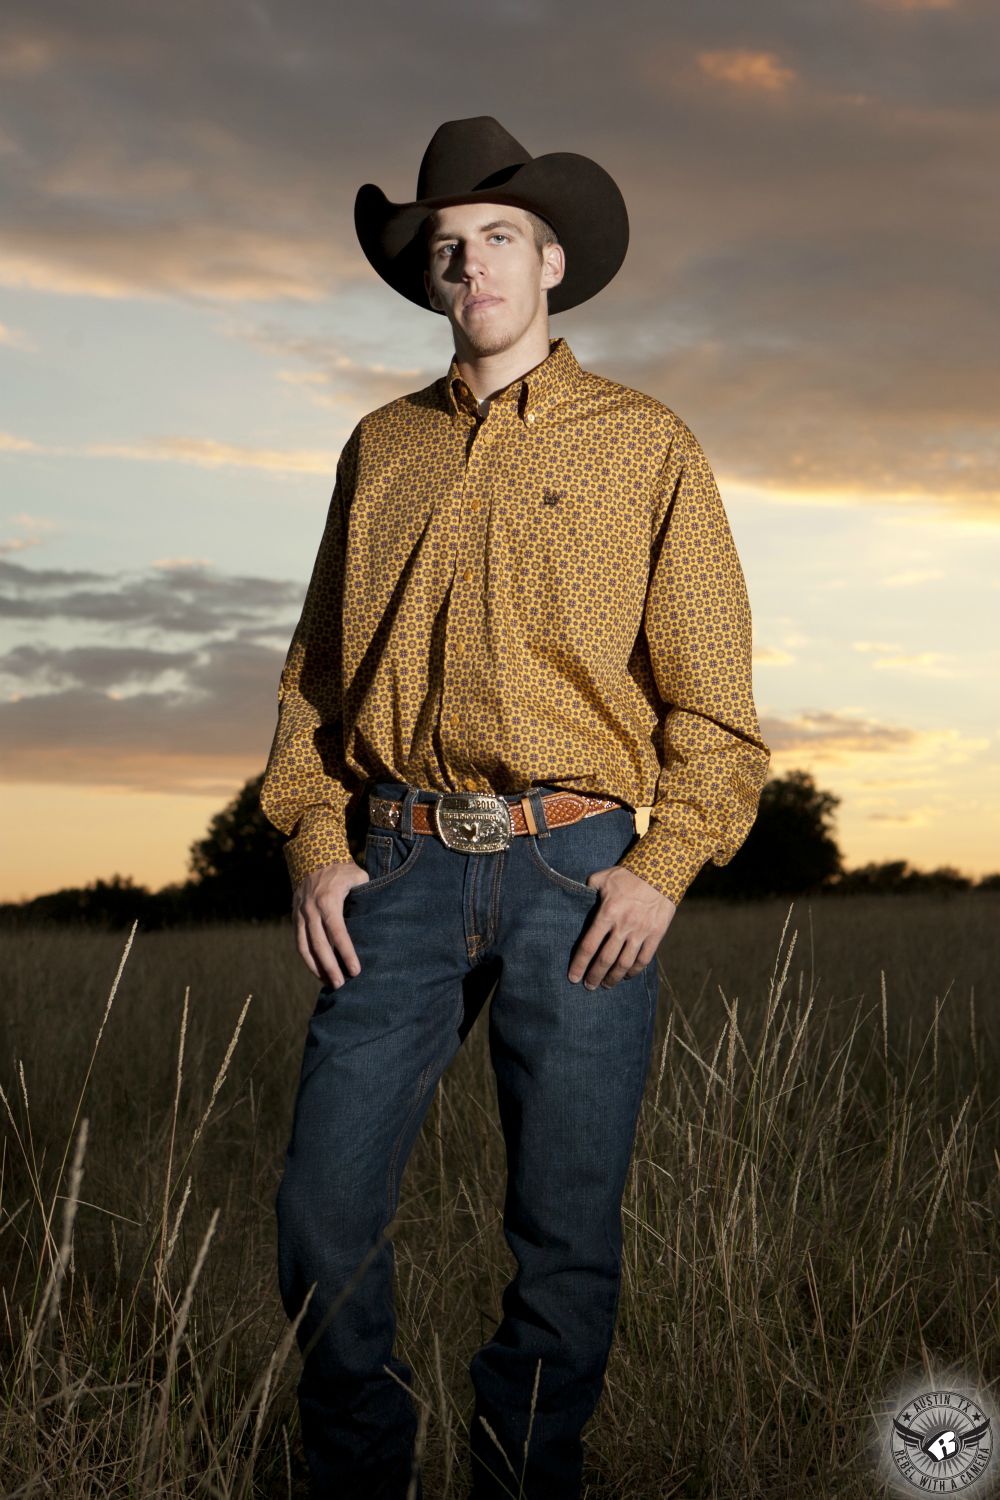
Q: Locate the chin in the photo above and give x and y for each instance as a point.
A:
(490, 340)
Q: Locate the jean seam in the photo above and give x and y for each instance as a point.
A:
(495, 891)
(652, 986)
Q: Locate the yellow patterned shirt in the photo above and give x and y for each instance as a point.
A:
(546, 595)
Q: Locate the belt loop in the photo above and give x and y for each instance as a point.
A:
(534, 800)
(406, 812)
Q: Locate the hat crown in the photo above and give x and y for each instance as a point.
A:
(466, 156)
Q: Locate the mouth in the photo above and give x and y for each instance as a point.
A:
(476, 302)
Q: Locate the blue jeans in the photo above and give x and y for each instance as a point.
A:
(432, 927)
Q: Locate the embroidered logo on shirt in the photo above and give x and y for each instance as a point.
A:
(551, 497)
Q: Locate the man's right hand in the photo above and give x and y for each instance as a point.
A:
(321, 934)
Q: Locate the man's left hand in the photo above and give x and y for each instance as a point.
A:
(630, 920)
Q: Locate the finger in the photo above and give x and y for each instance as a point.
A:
(646, 954)
(324, 954)
(336, 929)
(302, 944)
(624, 964)
(595, 931)
(594, 956)
(582, 956)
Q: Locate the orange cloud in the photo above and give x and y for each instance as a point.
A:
(756, 70)
(772, 656)
(209, 453)
(917, 4)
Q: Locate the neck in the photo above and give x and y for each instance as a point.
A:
(485, 374)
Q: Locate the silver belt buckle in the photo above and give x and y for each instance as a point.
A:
(474, 822)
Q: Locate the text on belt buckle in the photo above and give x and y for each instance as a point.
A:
(475, 822)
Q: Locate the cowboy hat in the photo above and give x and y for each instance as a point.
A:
(476, 159)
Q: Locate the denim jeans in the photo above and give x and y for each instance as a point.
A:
(570, 1067)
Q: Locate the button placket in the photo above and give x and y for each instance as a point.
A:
(469, 556)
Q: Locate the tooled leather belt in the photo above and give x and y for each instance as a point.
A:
(483, 822)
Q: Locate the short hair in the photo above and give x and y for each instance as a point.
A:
(542, 231)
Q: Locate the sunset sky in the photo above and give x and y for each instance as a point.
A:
(189, 331)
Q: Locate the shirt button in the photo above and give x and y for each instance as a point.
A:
(467, 575)
(459, 647)
(473, 504)
(530, 417)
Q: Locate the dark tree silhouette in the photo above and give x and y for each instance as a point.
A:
(238, 868)
(897, 877)
(238, 871)
(790, 850)
(110, 903)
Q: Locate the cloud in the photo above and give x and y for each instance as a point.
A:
(844, 736)
(206, 736)
(755, 70)
(189, 600)
(193, 714)
(35, 529)
(772, 656)
(915, 817)
(12, 338)
(98, 667)
(914, 5)
(208, 453)
(925, 664)
(825, 734)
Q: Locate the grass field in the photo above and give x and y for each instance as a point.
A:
(812, 1217)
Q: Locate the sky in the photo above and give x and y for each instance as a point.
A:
(189, 331)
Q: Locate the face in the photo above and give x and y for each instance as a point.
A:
(487, 277)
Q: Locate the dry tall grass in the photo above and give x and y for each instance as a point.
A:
(811, 1215)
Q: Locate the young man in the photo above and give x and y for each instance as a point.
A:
(526, 638)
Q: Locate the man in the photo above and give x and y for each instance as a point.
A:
(526, 636)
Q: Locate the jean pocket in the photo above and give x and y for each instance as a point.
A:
(568, 855)
(388, 857)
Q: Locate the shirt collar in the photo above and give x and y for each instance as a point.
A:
(531, 393)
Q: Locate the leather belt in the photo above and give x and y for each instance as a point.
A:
(484, 822)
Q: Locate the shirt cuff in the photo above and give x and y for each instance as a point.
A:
(321, 840)
(664, 861)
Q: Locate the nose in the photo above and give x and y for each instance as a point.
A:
(471, 262)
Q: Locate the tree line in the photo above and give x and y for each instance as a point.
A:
(237, 871)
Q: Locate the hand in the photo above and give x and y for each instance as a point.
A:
(318, 914)
(629, 922)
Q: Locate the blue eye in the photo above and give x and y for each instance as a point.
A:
(497, 234)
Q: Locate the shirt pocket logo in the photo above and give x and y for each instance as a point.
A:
(551, 497)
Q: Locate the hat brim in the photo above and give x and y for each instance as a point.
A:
(581, 201)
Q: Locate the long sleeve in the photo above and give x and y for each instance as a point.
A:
(697, 628)
(306, 787)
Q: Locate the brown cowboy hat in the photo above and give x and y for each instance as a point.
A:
(477, 159)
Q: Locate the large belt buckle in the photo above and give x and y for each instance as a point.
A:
(474, 822)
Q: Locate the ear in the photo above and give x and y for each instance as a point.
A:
(554, 258)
